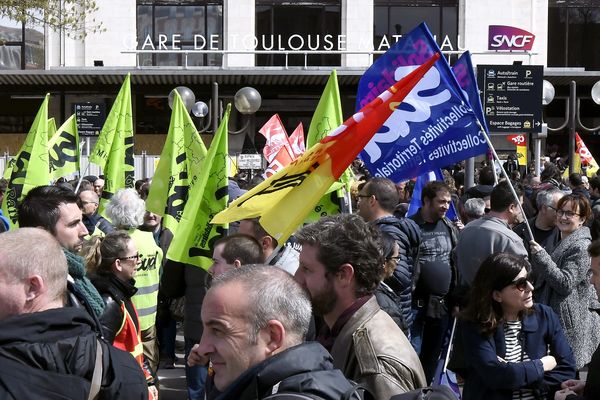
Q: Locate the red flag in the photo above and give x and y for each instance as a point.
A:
(276, 137)
(297, 141)
(282, 159)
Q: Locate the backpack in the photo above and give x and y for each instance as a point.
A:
(435, 392)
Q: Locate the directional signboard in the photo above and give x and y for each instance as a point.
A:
(90, 118)
(512, 97)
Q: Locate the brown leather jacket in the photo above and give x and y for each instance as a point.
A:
(373, 351)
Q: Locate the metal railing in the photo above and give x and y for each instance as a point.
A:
(287, 53)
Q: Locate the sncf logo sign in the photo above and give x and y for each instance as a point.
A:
(503, 37)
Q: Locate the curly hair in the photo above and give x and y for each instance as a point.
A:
(495, 273)
(347, 239)
(126, 209)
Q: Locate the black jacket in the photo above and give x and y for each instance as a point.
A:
(390, 303)
(51, 355)
(408, 236)
(305, 368)
(113, 291)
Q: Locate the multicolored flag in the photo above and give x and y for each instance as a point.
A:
(434, 127)
(29, 168)
(276, 137)
(283, 201)
(296, 140)
(281, 160)
(196, 234)
(63, 150)
(586, 156)
(114, 150)
(179, 168)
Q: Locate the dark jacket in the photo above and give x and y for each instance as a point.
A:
(51, 355)
(592, 383)
(408, 236)
(114, 291)
(390, 303)
(305, 368)
(491, 379)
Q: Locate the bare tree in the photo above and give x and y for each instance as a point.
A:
(74, 17)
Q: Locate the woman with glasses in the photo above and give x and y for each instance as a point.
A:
(563, 278)
(513, 348)
(111, 263)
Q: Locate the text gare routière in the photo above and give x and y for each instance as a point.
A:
(419, 150)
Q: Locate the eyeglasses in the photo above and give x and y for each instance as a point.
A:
(89, 202)
(136, 256)
(522, 283)
(362, 196)
(397, 258)
(568, 214)
(552, 208)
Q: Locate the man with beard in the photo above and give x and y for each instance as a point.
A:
(55, 209)
(340, 267)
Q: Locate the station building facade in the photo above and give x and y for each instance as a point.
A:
(284, 49)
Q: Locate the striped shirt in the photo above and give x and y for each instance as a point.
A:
(515, 354)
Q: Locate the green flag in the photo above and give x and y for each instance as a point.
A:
(327, 116)
(51, 129)
(193, 241)
(63, 148)
(179, 167)
(114, 150)
(29, 168)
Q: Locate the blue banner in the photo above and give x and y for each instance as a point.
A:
(432, 128)
(465, 76)
(422, 180)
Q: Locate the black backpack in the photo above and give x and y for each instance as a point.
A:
(356, 392)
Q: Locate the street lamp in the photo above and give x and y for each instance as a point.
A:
(247, 101)
(572, 114)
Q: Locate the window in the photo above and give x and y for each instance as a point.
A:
(286, 25)
(21, 46)
(573, 28)
(192, 25)
(394, 18)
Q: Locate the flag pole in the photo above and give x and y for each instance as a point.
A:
(505, 175)
(81, 176)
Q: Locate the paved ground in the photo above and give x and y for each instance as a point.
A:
(172, 381)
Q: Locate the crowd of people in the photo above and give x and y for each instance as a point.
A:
(353, 306)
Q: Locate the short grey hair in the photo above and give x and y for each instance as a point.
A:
(475, 207)
(126, 209)
(272, 294)
(19, 259)
(546, 197)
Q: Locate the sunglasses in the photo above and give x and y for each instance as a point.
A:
(522, 283)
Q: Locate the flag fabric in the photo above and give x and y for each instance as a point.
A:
(114, 150)
(276, 137)
(434, 127)
(283, 201)
(281, 160)
(465, 76)
(29, 168)
(195, 236)
(296, 140)
(63, 150)
(51, 128)
(422, 180)
(585, 156)
(178, 169)
(327, 116)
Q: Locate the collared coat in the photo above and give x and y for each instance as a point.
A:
(563, 283)
(491, 379)
(372, 351)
